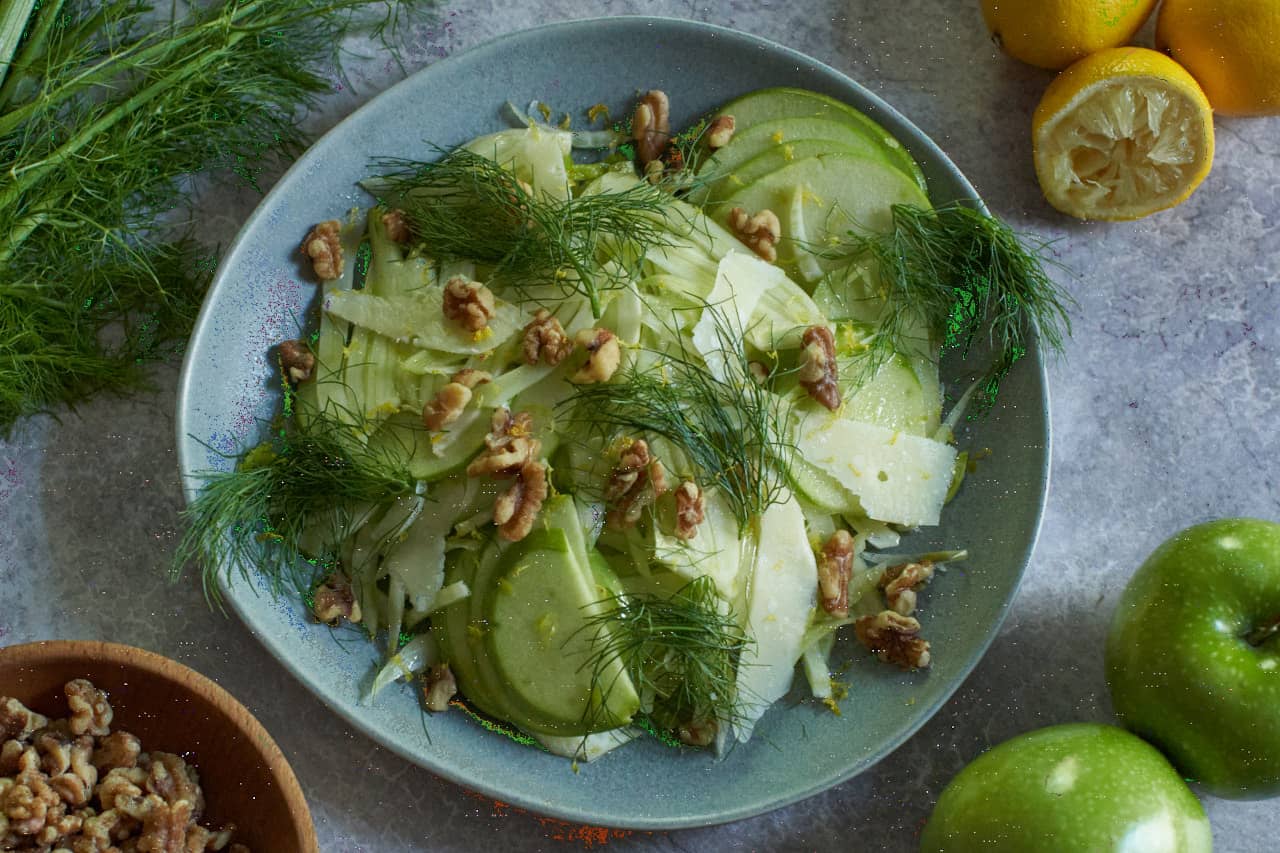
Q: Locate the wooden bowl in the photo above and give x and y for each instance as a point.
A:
(245, 777)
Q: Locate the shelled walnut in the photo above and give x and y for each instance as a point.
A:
(634, 484)
(323, 245)
(74, 786)
(894, 639)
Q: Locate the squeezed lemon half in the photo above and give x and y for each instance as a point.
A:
(1122, 134)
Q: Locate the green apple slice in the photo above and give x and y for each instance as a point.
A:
(771, 105)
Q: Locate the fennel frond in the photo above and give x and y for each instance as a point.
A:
(962, 272)
(466, 206)
(682, 650)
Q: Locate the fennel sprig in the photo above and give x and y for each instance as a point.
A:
(465, 206)
(107, 111)
(962, 271)
(731, 428)
(254, 518)
(682, 650)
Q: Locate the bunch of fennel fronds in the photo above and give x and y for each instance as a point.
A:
(109, 113)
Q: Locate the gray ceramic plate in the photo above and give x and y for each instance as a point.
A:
(228, 394)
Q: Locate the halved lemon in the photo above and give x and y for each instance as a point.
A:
(1122, 134)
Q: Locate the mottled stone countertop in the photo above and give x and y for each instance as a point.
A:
(1164, 409)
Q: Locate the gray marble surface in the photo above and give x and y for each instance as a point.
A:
(1164, 414)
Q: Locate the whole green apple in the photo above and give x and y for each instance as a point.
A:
(1193, 657)
(1068, 789)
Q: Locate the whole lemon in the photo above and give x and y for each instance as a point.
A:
(1055, 33)
(1232, 47)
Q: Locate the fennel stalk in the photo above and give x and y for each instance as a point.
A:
(108, 112)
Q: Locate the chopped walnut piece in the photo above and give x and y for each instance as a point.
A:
(468, 303)
(450, 401)
(17, 720)
(335, 600)
(29, 803)
(698, 732)
(396, 226)
(121, 789)
(760, 233)
(604, 356)
(164, 827)
(90, 711)
(446, 406)
(651, 126)
(97, 831)
(901, 582)
(893, 638)
(11, 753)
(74, 781)
(690, 509)
(55, 752)
(545, 339)
(759, 372)
(635, 483)
(59, 826)
(324, 247)
(509, 446)
(440, 687)
(172, 779)
(835, 569)
(654, 171)
(515, 510)
(118, 749)
(818, 369)
(720, 132)
(297, 361)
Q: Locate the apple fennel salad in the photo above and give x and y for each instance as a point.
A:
(599, 449)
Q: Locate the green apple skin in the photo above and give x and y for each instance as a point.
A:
(1068, 789)
(1181, 667)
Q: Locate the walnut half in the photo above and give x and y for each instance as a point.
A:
(17, 720)
(818, 370)
(90, 711)
(893, 638)
(397, 227)
(834, 571)
(517, 508)
(651, 126)
(545, 340)
(439, 688)
(468, 303)
(901, 582)
(297, 361)
(450, 401)
(335, 600)
(323, 246)
(635, 483)
(690, 509)
(604, 356)
(509, 446)
(720, 132)
(760, 233)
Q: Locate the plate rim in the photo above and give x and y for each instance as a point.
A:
(189, 472)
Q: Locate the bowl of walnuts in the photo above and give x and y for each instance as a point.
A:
(104, 745)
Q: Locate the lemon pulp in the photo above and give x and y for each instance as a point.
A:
(1120, 136)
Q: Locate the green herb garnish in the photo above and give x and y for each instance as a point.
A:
(732, 429)
(256, 517)
(960, 270)
(682, 650)
(465, 206)
(106, 110)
